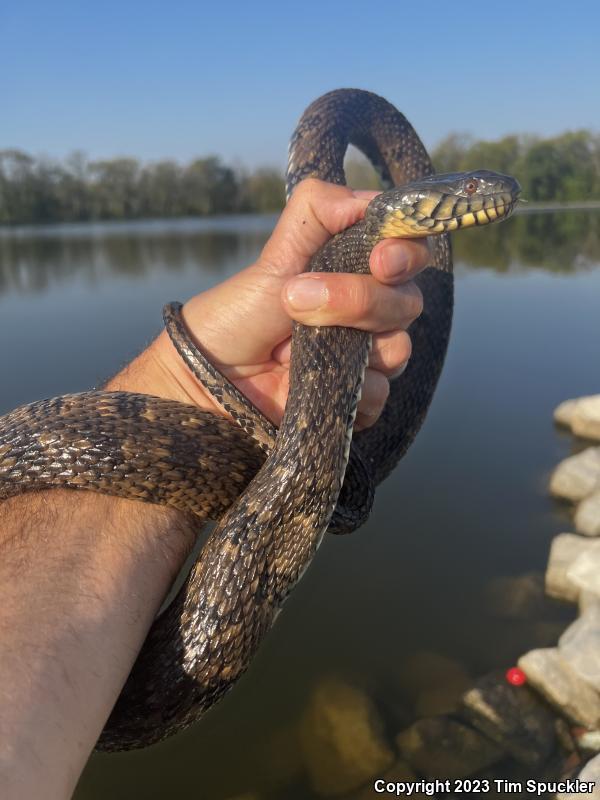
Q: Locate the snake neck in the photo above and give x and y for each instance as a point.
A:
(288, 505)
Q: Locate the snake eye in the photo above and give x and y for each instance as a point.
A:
(471, 186)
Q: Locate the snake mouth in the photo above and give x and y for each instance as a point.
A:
(445, 203)
(411, 221)
(493, 209)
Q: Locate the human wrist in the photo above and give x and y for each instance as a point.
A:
(160, 371)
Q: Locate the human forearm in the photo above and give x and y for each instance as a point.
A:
(81, 576)
(80, 583)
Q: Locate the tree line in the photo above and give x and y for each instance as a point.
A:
(39, 190)
(42, 190)
(563, 168)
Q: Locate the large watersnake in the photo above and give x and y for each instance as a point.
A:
(272, 510)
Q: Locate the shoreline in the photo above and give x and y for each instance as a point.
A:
(21, 227)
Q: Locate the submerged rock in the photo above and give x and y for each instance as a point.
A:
(441, 747)
(341, 736)
(561, 686)
(577, 476)
(516, 597)
(245, 796)
(513, 717)
(581, 415)
(279, 756)
(564, 551)
(579, 646)
(440, 699)
(587, 515)
(398, 773)
(426, 669)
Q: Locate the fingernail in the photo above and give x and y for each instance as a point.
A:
(306, 293)
(395, 261)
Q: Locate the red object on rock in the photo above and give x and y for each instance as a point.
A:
(516, 676)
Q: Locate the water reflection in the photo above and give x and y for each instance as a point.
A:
(32, 260)
(554, 241)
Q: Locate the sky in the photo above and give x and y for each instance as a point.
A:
(182, 79)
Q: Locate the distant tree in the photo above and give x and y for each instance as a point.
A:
(74, 188)
(115, 188)
(565, 167)
(449, 154)
(161, 190)
(262, 190)
(18, 186)
(209, 187)
(359, 172)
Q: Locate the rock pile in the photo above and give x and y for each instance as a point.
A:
(568, 675)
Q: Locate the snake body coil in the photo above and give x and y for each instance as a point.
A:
(274, 512)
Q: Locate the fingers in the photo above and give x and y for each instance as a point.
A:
(390, 353)
(375, 391)
(356, 301)
(383, 301)
(249, 302)
(397, 260)
(315, 212)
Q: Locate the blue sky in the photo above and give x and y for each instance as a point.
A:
(158, 79)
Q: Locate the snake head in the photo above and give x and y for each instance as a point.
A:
(442, 203)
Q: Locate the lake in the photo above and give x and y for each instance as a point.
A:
(468, 504)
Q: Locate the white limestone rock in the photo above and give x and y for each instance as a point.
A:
(584, 572)
(587, 600)
(563, 413)
(585, 420)
(564, 551)
(587, 515)
(581, 415)
(589, 774)
(577, 476)
(547, 672)
(579, 647)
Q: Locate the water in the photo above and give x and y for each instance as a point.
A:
(467, 504)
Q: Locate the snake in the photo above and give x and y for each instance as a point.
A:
(274, 493)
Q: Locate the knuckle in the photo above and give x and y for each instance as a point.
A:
(307, 187)
(363, 421)
(383, 391)
(361, 298)
(391, 353)
(413, 300)
(377, 390)
(423, 255)
(404, 348)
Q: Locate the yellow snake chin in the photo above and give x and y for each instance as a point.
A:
(449, 214)
(398, 226)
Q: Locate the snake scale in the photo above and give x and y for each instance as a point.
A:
(274, 493)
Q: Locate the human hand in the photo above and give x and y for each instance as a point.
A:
(244, 324)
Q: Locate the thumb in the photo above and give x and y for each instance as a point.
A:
(242, 320)
(316, 211)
